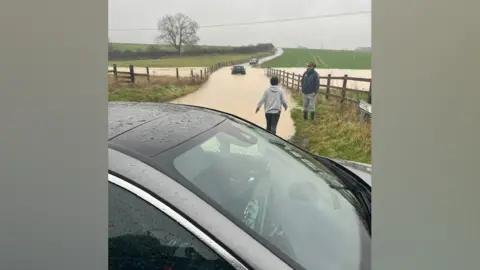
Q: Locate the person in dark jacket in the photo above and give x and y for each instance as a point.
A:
(310, 84)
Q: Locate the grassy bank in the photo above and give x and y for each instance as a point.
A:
(335, 133)
(187, 61)
(323, 58)
(159, 89)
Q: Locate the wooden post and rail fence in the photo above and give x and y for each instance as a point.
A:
(131, 75)
(293, 81)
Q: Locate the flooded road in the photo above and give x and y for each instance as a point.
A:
(239, 95)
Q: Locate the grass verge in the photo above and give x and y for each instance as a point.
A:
(335, 133)
(158, 89)
(323, 58)
(188, 61)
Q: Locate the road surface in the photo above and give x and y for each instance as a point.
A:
(239, 95)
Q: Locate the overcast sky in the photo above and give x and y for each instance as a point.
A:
(346, 32)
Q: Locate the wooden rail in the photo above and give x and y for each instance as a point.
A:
(293, 81)
(362, 98)
(130, 75)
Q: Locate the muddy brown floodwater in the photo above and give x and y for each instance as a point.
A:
(239, 95)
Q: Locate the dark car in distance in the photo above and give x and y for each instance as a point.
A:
(253, 61)
(195, 188)
(239, 69)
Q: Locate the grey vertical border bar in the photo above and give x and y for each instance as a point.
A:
(53, 149)
(426, 132)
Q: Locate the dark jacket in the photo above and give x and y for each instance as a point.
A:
(310, 82)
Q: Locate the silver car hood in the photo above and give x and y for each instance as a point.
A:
(362, 170)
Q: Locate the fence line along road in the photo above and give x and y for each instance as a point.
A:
(129, 76)
(293, 81)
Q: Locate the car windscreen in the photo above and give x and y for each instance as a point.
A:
(276, 192)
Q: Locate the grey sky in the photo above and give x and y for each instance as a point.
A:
(347, 32)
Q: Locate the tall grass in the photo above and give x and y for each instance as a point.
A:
(158, 89)
(335, 132)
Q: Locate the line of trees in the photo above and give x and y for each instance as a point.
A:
(180, 33)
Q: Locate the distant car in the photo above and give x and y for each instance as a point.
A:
(239, 70)
(253, 61)
(194, 188)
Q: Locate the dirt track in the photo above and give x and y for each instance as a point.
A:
(239, 95)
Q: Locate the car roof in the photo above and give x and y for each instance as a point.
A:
(151, 128)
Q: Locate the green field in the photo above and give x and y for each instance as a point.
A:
(187, 61)
(323, 59)
(143, 47)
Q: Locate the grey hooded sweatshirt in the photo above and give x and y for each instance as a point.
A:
(273, 98)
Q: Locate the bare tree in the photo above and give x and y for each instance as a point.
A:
(178, 30)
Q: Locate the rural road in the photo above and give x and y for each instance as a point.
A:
(239, 95)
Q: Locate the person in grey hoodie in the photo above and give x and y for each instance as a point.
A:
(310, 85)
(273, 99)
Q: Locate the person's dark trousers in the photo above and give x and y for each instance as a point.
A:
(305, 115)
(272, 121)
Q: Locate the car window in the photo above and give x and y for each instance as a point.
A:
(142, 237)
(277, 192)
(213, 145)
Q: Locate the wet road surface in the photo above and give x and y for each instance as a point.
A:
(239, 95)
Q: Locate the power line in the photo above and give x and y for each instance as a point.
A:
(259, 22)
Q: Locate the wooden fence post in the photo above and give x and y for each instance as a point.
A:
(148, 73)
(299, 82)
(132, 74)
(362, 117)
(365, 109)
(370, 92)
(327, 92)
(115, 72)
(201, 75)
(293, 80)
(177, 74)
(193, 77)
(344, 88)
